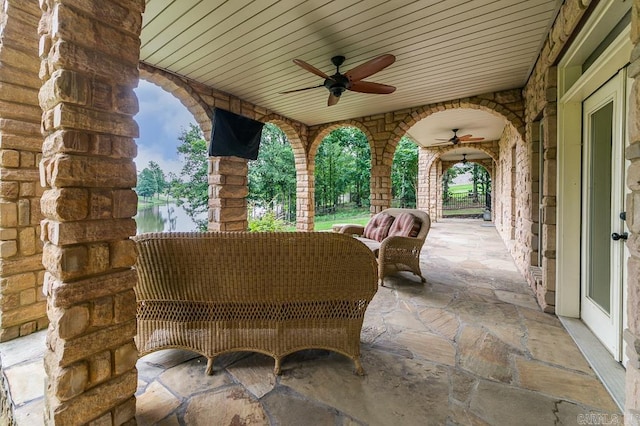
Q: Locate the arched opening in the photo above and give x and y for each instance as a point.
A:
(272, 183)
(480, 130)
(404, 174)
(466, 184)
(171, 164)
(342, 178)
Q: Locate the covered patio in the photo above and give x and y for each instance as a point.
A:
(518, 77)
(470, 346)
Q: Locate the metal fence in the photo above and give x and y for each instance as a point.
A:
(467, 201)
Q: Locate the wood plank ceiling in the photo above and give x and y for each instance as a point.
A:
(444, 49)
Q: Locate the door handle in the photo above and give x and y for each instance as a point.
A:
(615, 236)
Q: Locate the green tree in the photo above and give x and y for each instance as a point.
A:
(160, 182)
(146, 186)
(404, 172)
(343, 166)
(484, 179)
(272, 176)
(190, 189)
(449, 175)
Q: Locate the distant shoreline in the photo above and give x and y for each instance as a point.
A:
(164, 199)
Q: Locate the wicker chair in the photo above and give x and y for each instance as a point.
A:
(274, 293)
(395, 253)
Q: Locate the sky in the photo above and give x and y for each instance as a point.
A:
(161, 119)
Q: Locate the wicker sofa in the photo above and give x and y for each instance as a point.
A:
(397, 248)
(274, 293)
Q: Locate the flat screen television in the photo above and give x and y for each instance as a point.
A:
(234, 135)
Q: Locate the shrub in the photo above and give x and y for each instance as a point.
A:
(267, 223)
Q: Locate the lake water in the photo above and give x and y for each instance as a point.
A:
(164, 218)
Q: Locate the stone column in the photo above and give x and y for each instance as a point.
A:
(422, 191)
(305, 205)
(22, 304)
(90, 52)
(228, 190)
(632, 334)
(380, 188)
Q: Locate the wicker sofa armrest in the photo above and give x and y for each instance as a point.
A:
(396, 245)
(399, 254)
(352, 229)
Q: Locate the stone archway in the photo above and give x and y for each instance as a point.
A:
(304, 173)
(507, 105)
(434, 168)
(322, 131)
(183, 92)
(488, 164)
(314, 143)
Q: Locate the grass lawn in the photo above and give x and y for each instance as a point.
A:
(458, 212)
(463, 188)
(325, 222)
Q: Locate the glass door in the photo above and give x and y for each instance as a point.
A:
(603, 236)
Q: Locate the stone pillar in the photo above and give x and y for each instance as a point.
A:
(435, 190)
(380, 187)
(90, 53)
(422, 195)
(632, 334)
(22, 303)
(305, 205)
(228, 190)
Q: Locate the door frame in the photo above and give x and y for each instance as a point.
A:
(574, 86)
(606, 326)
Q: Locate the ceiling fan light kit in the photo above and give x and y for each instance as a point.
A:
(352, 80)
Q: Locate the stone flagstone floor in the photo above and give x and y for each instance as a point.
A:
(469, 347)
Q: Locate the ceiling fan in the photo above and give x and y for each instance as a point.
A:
(455, 139)
(350, 80)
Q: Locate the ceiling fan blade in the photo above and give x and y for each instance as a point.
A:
(464, 137)
(441, 143)
(369, 87)
(310, 68)
(370, 67)
(332, 100)
(472, 140)
(300, 90)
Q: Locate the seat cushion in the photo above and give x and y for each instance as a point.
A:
(405, 225)
(374, 246)
(378, 227)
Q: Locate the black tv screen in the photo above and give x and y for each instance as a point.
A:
(234, 135)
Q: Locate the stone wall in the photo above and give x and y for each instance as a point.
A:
(513, 194)
(88, 171)
(22, 304)
(540, 95)
(632, 334)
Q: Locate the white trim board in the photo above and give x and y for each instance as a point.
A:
(610, 372)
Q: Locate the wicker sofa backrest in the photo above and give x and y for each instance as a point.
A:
(262, 267)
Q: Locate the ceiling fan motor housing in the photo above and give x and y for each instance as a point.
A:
(337, 84)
